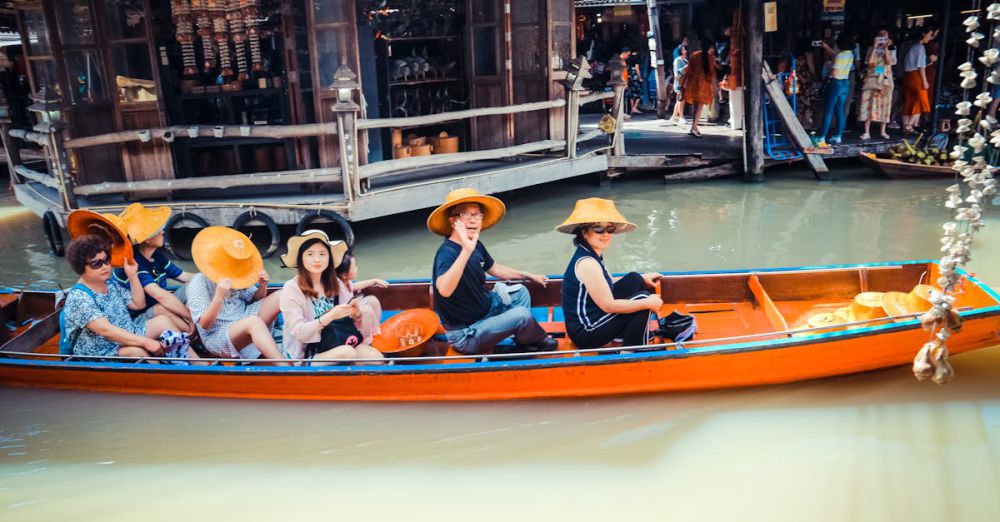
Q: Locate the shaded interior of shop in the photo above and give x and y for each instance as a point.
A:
(119, 65)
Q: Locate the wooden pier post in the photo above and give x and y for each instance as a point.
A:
(659, 59)
(345, 84)
(618, 111)
(577, 71)
(753, 67)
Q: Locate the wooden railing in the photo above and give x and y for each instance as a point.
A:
(355, 178)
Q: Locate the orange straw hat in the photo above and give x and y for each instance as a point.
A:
(826, 320)
(109, 226)
(916, 301)
(493, 210)
(144, 222)
(595, 210)
(866, 306)
(337, 248)
(221, 252)
(404, 334)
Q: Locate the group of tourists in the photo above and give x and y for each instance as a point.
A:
(831, 85)
(227, 310)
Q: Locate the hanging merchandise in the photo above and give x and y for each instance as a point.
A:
(238, 31)
(180, 11)
(203, 21)
(251, 17)
(220, 28)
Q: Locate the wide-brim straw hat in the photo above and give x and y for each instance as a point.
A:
(915, 301)
(108, 226)
(828, 321)
(221, 252)
(493, 210)
(417, 324)
(337, 248)
(595, 210)
(144, 222)
(865, 307)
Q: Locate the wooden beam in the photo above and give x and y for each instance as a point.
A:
(382, 167)
(792, 124)
(717, 171)
(34, 137)
(34, 175)
(589, 135)
(659, 161)
(208, 131)
(289, 177)
(596, 97)
(770, 309)
(382, 123)
(753, 58)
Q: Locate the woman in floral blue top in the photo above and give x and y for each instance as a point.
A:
(98, 321)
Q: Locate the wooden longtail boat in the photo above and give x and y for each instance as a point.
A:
(752, 331)
(900, 169)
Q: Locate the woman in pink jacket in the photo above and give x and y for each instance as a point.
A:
(323, 320)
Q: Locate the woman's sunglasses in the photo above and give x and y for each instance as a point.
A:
(96, 264)
(600, 229)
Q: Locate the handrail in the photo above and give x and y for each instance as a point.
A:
(287, 177)
(484, 358)
(26, 135)
(41, 177)
(382, 167)
(382, 123)
(304, 130)
(596, 97)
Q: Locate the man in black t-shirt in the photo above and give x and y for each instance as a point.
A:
(475, 319)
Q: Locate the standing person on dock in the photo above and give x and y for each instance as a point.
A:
(915, 85)
(700, 81)
(599, 310)
(876, 90)
(475, 320)
(228, 299)
(145, 230)
(838, 89)
(680, 68)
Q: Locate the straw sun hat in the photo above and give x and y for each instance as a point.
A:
(221, 252)
(109, 226)
(493, 210)
(337, 248)
(144, 222)
(595, 210)
(916, 301)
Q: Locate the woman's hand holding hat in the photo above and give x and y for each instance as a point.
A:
(131, 268)
(223, 288)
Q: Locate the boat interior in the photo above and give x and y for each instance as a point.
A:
(729, 307)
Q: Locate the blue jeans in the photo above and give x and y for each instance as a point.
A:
(837, 92)
(502, 321)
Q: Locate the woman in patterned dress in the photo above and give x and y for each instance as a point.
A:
(96, 314)
(876, 91)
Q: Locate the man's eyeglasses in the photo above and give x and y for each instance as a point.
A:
(470, 215)
(601, 229)
(96, 264)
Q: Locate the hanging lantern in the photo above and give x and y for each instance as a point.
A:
(180, 11)
(220, 29)
(203, 21)
(251, 17)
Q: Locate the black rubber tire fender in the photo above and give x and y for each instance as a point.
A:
(53, 232)
(344, 225)
(168, 231)
(254, 215)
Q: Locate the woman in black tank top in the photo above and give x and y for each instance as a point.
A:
(599, 310)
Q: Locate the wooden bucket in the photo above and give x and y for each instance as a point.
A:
(445, 144)
(401, 152)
